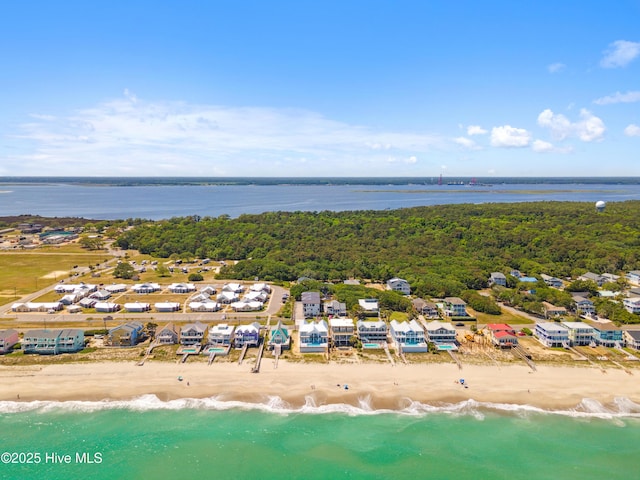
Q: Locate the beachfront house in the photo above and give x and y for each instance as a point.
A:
(551, 281)
(369, 306)
(455, 307)
(167, 335)
(182, 287)
(8, 338)
(580, 333)
(341, 330)
(607, 334)
(552, 334)
(408, 336)
(399, 285)
(279, 337)
(137, 307)
(144, 288)
(335, 308)
(632, 305)
(247, 335)
(632, 339)
(311, 305)
(192, 333)
(441, 333)
(167, 307)
(125, 335)
(502, 335)
(53, 342)
(314, 337)
(497, 278)
(372, 331)
(551, 311)
(221, 334)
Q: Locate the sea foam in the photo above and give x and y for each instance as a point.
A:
(621, 407)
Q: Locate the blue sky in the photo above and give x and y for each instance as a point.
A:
(320, 88)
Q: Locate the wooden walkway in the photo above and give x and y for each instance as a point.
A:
(256, 368)
(243, 353)
(521, 353)
(277, 351)
(386, 350)
(455, 359)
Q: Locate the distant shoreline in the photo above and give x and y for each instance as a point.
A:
(325, 181)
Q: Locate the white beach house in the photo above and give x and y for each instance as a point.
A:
(408, 336)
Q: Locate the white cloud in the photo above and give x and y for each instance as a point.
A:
(632, 131)
(541, 146)
(131, 136)
(559, 125)
(406, 160)
(556, 67)
(466, 143)
(475, 130)
(629, 97)
(588, 129)
(508, 136)
(620, 53)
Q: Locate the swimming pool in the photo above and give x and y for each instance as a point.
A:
(371, 345)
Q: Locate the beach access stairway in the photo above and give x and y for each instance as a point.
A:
(455, 358)
(243, 352)
(277, 351)
(256, 368)
(567, 346)
(520, 352)
(184, 358)
(212, 357)
(386, 350)
(147, 353)
(629, 356)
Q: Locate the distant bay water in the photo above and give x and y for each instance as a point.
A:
(147, 199)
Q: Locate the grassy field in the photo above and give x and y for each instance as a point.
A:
(26, 272)
(506, 317)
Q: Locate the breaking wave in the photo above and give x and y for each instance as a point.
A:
(620, 408)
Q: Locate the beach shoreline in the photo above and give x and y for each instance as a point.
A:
(371, 386)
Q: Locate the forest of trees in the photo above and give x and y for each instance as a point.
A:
(441, 250)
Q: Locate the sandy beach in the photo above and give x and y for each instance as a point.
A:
(384, 386)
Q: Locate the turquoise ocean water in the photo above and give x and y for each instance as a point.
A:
(207, 439)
